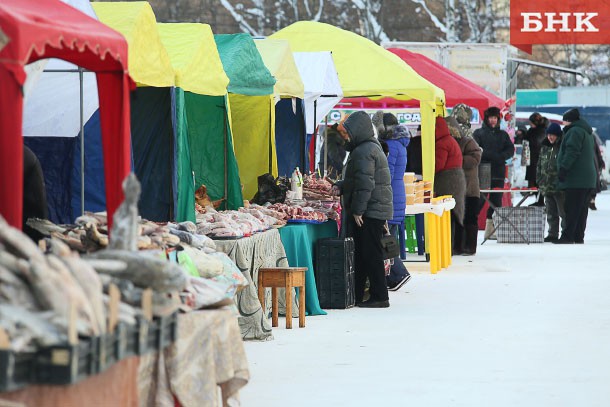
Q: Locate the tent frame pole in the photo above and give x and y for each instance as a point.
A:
(80, 72)
(226, 197)
(82, 143)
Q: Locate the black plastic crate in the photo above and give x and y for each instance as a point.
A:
(67, 364)
(137, 337)
(334, 272)
(162, 332)
(16, 369)
(113, 347)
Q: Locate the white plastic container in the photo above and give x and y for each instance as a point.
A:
(296, 183)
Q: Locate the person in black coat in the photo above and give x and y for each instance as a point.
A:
(34, 193)
(535, 136)
(414, 154)
(497, 148)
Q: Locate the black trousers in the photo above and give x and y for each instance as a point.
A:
(368, 258)
(494, 198)
(576, 206)
(471, 217)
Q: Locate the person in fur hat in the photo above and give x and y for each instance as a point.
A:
(546, 174)
(397, 137)
(466, 236)
(449, 176)
(497, 148)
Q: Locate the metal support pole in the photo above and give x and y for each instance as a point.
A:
(82, 143)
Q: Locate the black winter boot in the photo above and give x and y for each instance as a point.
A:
(471, 232)
(458, 239)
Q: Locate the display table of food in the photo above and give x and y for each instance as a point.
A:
(299, 240)
(189, 372)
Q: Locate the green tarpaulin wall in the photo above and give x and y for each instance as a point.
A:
(207, 126)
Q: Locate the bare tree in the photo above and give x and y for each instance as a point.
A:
(477, 26)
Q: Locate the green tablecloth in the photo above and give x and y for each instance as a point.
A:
(299, 240)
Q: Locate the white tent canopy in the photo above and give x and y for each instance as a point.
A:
(52, 99)
(322, 88)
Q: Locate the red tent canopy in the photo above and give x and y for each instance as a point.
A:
(457, 88)
(38, 29)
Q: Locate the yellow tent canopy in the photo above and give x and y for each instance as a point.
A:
(366, 69)
(194, 57)
(278, 58)
(149, 64)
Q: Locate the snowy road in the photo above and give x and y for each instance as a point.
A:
(516, 325)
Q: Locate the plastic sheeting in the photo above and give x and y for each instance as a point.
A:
(148, 60)
(183, 183)
(253, 127)
(290, 136)
(244, 66)
(208, 128)
(278, 58)
(322, 86)
(194, 57)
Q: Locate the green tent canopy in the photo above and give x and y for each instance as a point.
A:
(252, 108)
(201, 115)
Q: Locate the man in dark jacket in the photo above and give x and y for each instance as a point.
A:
(577, 175)
(367, 203)
(497, 148)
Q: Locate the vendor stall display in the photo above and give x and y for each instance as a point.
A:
(59, 30)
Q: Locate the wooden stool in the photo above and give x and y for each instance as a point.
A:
(283, 277)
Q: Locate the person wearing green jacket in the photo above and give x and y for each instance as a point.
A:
(576, 174)
(546, 175)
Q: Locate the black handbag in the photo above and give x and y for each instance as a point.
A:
(389, 247)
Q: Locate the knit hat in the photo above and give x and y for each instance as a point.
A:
(571, 115)
(462, 113)
(555, 129)
(441, 127)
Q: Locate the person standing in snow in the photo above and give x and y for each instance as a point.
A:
(397, 137)
(367, 203)
(497, 148)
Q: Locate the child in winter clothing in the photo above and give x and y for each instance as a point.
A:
(546, 175)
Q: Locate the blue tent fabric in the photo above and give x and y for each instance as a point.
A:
(95, 183)
(290, 137)
(55, 157)
(152, 138)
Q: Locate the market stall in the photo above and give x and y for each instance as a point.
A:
(252, 108)
(201, 110)
(53, 89)
(152, 130)
(367, 70)
(52, 29)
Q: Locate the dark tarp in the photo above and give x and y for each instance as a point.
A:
(289, 136)
(55, 155)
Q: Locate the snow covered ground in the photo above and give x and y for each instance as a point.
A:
(516, 325)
